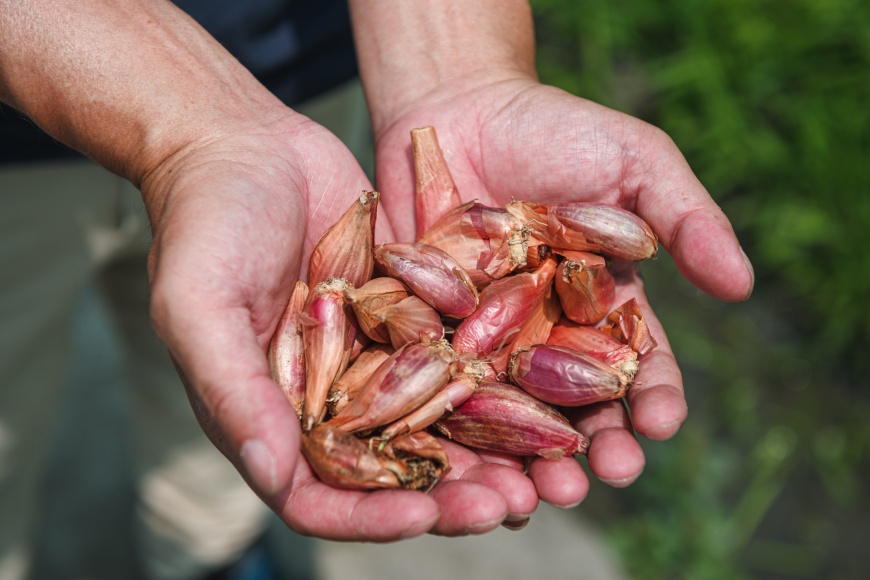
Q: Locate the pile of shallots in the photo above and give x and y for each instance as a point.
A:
(481, 330)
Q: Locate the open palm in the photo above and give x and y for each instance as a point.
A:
(518, 139)
(234, 226)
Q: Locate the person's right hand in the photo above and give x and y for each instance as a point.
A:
(235, 217)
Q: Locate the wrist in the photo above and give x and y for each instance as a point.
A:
(415, 53)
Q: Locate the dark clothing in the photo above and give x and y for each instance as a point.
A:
(297, 49)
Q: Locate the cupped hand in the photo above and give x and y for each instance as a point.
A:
(514, 138)
(234, 220)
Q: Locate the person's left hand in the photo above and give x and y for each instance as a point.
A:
(514, 138)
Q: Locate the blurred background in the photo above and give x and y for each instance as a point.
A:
(770, 103)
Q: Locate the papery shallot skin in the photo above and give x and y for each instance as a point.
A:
(487, 242)
(328, 339)
(418, 459)
(351, 382)
(286, 353)
(405, 381)
(372, 296)
(627, 325)
(502, 418)
(618, 232)
(546, 232)
(410, 321)
(505, 305)
(432, 274)
(535, 330)
(590, 340)
(536, 254)
(589, 227)
(586, 292)
(359, 340)
(562, 376)
(345, 461)
(345, 249)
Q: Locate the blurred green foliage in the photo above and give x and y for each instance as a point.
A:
(770, 103)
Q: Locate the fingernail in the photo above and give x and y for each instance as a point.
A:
(751, 273)
(567, 506)
(481, 527)
(515, 525)
(260, 465)
(622, 481)
(663, 431)
(420, 528)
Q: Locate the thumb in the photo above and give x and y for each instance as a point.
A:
(225, 372)
(692, 227)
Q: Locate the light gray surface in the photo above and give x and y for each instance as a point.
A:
(85, 532)
(554, 545)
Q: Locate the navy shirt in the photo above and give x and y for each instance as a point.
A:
(298, 49)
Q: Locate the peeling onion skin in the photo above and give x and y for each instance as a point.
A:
(505, 305)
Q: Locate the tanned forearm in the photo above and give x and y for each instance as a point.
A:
(408, 50)
(126, 82)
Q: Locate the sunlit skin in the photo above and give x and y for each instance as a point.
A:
(238, 188)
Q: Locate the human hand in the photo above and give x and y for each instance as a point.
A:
(512, 137)
(234, 220)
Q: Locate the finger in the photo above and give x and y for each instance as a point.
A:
(517, 498)
(656, 399)
(200, 314)
(467, 508)
(561, 483)
(518, 518)
(512, 461)
(314, 508)
(616, 158)
(691, 226)
(614, 455)
(238, 405)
